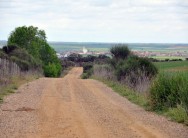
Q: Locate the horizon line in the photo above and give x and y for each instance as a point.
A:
(61, 41)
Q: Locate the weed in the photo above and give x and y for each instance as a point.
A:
(178, 114)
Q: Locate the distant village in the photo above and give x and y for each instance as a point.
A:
(181, 54)
(150, 54)
(83, 52)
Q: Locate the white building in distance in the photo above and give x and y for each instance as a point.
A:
(85, 50)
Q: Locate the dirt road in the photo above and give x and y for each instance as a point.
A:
(73, 108)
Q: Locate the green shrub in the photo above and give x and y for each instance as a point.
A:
(120, 51)
(134, 67)
(87, 67)
(169, 90)
(50, 70)
(85, 76)
(87, 70)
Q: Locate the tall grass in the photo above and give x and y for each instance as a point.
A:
(170, 92)
(104, 71)
(170, 89)
(138, 81)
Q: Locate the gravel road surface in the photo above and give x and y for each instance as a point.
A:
(70, 107)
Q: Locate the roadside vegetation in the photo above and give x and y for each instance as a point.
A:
(157, 86)
(169, 93)
(34, 42)
(14, 83)
(26, 56)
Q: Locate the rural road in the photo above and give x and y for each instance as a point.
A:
(70, 107)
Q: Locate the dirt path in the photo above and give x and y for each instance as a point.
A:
(73, 108)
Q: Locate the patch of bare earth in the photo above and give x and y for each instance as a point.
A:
(73, 108)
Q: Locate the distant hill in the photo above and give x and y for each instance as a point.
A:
(78, 46)
(2, 43)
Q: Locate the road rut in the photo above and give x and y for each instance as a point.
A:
(70, 107)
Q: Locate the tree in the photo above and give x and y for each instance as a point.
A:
(34, 42)
(29, 38)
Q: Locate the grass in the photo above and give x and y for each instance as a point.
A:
(178, 114)
(13, 85)
(172, 66)
(125, 92)
(169, 95)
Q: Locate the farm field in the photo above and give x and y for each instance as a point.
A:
(172, 66)
(168, 57)
(104, 47)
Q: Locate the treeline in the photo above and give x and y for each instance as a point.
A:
(165, 60)
(75, 59)
(28, 48)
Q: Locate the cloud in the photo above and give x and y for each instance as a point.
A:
(99, 20)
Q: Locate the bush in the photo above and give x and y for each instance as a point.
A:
(21, 57)
(169, 90)
(51, 70)
(87, 67)
(20, 53)
(87, 70)
(137, 66)
(85, 76)
(120, 51)
(23, 64)
(8, 49)
(3, 55)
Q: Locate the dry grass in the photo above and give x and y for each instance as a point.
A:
(14, 82)
(178, 69)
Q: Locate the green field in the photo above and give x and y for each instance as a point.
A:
(167, 57)
(172, 66)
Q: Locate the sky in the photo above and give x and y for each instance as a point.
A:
(130, 21)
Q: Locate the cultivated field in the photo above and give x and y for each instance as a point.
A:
(172, 66)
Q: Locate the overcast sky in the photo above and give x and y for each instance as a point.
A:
(158, 21)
